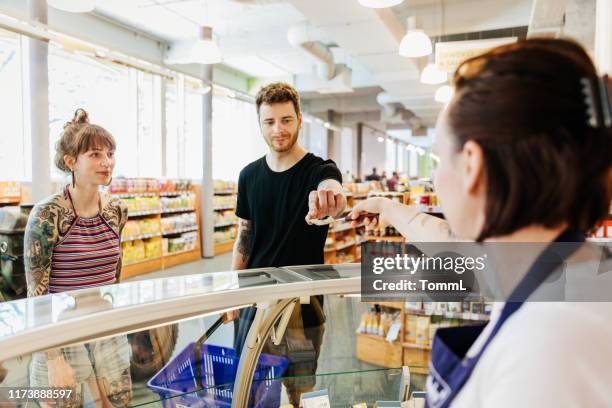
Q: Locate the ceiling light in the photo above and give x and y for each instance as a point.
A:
(444, 94)
(73, 6)
(204, 50)
(379, 3)
(327, 125)
(415, 43)
(431, 75)
(380, 139)
(420, 151)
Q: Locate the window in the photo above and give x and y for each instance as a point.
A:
(194, 135)
(236, 135)
(15, 151)
(149, 148)
(103, 90)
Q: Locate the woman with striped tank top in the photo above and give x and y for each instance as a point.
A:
(72, 241)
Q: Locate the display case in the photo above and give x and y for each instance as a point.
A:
(150, 343)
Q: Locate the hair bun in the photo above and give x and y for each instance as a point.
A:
(80, 117)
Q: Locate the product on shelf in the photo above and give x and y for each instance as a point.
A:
(137, 228)
(225, 235)
(178, 185)
(121, 185)
(377, 323)
(226, 217)
(179, 202)
(142, 204)
(141, 250)
(224, 201)
(178, 222)
(221, 186)
(186, 242)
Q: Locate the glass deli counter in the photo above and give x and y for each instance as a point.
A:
(255, 338)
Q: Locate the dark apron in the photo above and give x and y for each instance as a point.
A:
(449, 368)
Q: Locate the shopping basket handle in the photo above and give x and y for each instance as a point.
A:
(197, 350)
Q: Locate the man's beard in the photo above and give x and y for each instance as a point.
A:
(292, 140)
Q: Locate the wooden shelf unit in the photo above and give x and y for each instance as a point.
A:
(164, 260)
(228, 246)
(351, 247)
(378, 351)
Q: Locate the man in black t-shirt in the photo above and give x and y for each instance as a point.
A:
(279, 195)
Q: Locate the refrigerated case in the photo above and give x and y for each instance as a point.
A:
(99, 333)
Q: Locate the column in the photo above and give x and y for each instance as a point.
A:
(38, 95)
(206, 204)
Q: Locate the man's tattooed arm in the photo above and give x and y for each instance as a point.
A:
(243, 245)
(41, 235)
(116, 214)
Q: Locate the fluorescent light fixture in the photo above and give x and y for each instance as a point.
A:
(73, 6)
(408, 147)
(204, 50)
(415, 43)
(380, 139)
(431, 75)
(327, 125)
(380, 3)
(444, 94)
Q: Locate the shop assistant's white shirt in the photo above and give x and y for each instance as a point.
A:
(547, 354)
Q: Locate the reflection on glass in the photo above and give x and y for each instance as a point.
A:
(97, 371)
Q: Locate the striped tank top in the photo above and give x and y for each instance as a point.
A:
(86, 256)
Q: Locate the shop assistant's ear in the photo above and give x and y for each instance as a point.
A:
(472, 166)
(69, 160)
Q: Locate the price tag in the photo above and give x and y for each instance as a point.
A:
(393, 332)
(315, 399)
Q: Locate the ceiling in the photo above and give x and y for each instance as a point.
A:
(252, 36)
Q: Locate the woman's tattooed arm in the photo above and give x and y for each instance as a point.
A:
(41, 236)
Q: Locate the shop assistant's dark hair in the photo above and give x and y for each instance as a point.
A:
(544, 163)
(278, 92)
(79, 136)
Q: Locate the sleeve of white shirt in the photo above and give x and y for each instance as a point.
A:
(551, 355)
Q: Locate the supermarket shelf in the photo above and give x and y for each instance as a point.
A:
(332, 249)
(451, 315)
(135, 195)
(417, 346)
(374, 337)
(385, 238)
(140, 267)
(225, 192)
(224, 247)
(341, 247)
(175, 193)
(177, 210)
(177, 258)
(180, 231)
(144, 236)
(144, 213)
(227, 224)
(224, 208)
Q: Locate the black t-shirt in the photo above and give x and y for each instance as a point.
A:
(276, 203)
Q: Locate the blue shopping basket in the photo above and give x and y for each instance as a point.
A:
(176, 382)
